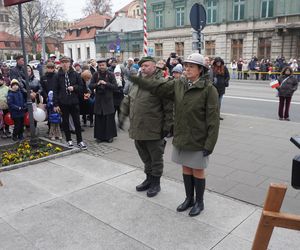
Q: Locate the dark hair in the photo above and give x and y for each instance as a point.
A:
(285, 69)
(18, 57)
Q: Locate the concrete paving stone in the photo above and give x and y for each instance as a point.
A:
(175, 174)
(94, 167)
(154, 225)
(223, 149)
(219, 184)
(283, 174)
(59, 225)
(246, 165)
(291, 205)
(245, 177)
(220, 159)
(232, 242)
(281, 238)
(12, 240)
(244, 154)
(129, 158)
(219, 170)
(253, 195)
(291, 192)
(19, 193)
(44, 176)
(219, 212)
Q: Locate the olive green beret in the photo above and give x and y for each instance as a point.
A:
(146, 59)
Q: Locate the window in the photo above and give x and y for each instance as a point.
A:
(103, 51)
(210, 48)
(238, 10)
(179, 48)
(138, 12)
(88, 53)
(267, 8)
(70, 52)
(1, 18)
(264, 48)
(159, 50)
(298, 47)
(211, 11)
(136, 50)
(78, 53)
(179, 17)
(7, 44)
(158, 19)
(236, 49)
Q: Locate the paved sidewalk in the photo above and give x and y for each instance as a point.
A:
(86, 202)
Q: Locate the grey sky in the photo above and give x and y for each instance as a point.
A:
(73, 8)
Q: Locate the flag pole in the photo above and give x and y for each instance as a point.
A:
(145, 29)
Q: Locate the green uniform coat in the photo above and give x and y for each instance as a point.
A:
(196, 124)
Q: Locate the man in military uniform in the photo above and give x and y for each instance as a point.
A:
(150, 121)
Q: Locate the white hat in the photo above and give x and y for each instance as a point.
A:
(52, 55)
(178, 68)
(196, 58)
(130, 59)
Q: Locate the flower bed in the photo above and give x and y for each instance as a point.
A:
(23, 152)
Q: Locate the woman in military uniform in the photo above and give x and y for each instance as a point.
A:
(196, 125)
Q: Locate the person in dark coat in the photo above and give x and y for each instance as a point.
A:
(47, 81)
(18, 73)
(65, 99)
(118, 93)
(16, 104)
(93, 66)
(104, 83)
(220, 77)
(288, 85)
(87, 105)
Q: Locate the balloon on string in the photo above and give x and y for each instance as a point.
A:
(26, 119)
(8, 120)
(39, 115)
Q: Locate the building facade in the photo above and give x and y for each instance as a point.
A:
(235, 28)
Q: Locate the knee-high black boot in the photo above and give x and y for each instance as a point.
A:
(199, 205)
(188, 181)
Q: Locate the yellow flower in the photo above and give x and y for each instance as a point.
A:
(46, 154)
(58, 149)
(49, 145)
(31, 157)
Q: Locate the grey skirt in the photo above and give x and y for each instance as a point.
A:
(192, 159)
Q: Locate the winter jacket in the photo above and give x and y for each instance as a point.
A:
(3, 97)
(220, 81)
(104, 101)
(18, 73)
(150, 115)
(288, 87)
(47, 82)
(196, 124)
(34, 85)
(61, 95)
(16, 103)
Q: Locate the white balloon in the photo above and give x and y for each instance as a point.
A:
(39, 115)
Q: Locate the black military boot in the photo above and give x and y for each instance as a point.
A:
(154, 187)
(145, 184)
(199, 205)
(188, 181)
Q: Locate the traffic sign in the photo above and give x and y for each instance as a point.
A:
(198, 16)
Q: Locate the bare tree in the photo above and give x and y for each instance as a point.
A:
(101, 7)
(33, 13)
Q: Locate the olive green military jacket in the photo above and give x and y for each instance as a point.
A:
(196, 123)
(150, 115)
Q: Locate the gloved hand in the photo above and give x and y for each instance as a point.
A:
(206, 152)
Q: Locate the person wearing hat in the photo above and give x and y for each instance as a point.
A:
(16, 104)
(3, 106)
(128, 70)
(196, 124)
(68, 84)
(220, 77)
(177, 71)
(150, 121)
(103, 84)
(18, 73)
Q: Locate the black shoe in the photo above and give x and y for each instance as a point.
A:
(196, 209)
(199, 205)
(145, 184)
(221, 118)
(154, 187)
(188, 181)
(82, 130)
(15, 138)
(110, 140)
(72, 132)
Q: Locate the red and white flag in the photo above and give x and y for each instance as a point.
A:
(274, 84)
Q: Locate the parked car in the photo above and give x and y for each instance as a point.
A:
(34, 63)
(10, 63)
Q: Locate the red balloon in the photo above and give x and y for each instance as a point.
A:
(8, 120)
(26, 119)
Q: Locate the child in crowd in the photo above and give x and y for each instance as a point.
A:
(4, 107)
(54, 119)
(17, 106)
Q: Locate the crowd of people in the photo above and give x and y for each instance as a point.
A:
(164, 98)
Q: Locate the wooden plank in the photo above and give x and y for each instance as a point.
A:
(273, 203)
(285, 220)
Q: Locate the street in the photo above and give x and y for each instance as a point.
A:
(256, 99)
